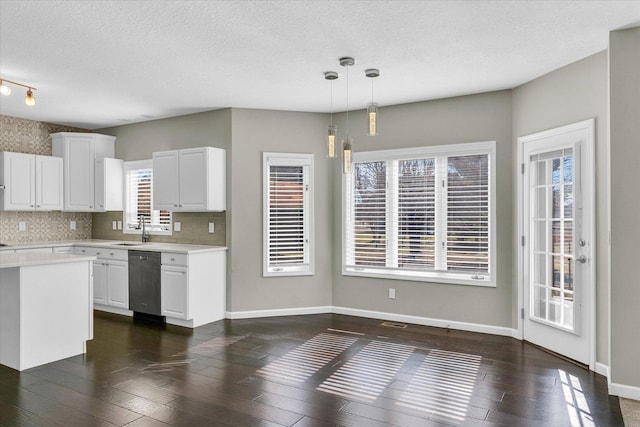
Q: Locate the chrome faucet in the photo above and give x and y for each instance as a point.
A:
(145, 233)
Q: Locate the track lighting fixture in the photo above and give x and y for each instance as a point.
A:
(5, 90)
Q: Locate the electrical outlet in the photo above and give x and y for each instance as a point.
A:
(212, 228)
(22, 226)
(119, 225)
(114, 225)
(72, 225)
(177, 226)
(392, 293)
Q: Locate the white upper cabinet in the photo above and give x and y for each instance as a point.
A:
(29, 182)
(90, 181)
(190, 180)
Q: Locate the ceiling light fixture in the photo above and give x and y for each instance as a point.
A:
(347, 143)
(372, 108)
(332, 130)
(5, 90)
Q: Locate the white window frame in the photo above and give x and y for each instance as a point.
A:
(150, 228)
(459, 278)
(289, 159)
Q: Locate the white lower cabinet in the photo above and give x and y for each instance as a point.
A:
(99, 282)
(175, 291)
(110, 277)
(193, 287)
(118, 284)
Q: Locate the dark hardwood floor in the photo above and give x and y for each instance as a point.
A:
(318, 370)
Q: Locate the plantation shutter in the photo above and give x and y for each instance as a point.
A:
(467, 239)
(287, 216)
(416, 214)
(139, 201)
(367, 242)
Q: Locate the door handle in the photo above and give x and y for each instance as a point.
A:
(581, 259)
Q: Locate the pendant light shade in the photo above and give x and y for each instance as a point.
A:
(332, 130)
(332, 133)
(347, 151)
(372, 107)
(372, 116)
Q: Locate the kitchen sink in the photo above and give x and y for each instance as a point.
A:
(129, 244)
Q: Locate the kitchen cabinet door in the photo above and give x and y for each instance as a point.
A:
(117, 284)
(99, 282)
(165, 180)
(79, 156)
(175, 291)
(109, 176)
(48, 180)
(18, 179)
(193, 183)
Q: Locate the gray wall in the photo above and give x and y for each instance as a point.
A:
(482, 117)
(624, 69)
(254, 132)
(571, 94)
(138, 140)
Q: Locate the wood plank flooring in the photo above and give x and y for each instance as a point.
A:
(303, 371)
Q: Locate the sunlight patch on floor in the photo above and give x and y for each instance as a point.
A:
(308, 358)
(366, 374)
(577, 406)
(443, 385)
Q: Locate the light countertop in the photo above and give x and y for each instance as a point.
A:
(10, 259)
(118, 244)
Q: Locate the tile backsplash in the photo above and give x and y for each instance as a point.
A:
(194, 228)
(28, 136)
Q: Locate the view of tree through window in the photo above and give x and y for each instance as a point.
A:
(420, 215)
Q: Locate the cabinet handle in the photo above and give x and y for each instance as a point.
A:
(180, 205)
(97, 253)
(38, 206)
(173, 259)
(111, 253)
(90, 207)
(175, 206)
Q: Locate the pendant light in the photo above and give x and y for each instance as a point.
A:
(332, 130)
(372, 107)
(347, 143)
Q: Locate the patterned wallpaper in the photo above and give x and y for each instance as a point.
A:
(28, 136)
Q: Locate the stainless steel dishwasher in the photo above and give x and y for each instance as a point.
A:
(144, 283)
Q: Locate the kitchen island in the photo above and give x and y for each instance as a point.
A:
(46, 307)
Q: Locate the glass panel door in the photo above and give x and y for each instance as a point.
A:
(552, 225)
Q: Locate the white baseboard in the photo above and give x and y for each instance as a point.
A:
(278, 312)
(426, 321)
(626, 391)
(602, 369)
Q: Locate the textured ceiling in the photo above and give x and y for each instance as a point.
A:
(103, 63)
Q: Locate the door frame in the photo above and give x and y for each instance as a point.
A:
(589, 158)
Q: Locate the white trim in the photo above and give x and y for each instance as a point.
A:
(426, 321)
(252, 314)
(114, 310)
(588, 124)
(626, 391)
(602, 369)
(289, 159)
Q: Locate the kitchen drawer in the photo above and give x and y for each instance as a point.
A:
(170, 258)
(103, 253)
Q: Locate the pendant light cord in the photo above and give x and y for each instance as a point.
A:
(347, 103)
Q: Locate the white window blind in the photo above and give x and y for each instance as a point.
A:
(422, 214)
(139, 201)
(287, 214)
